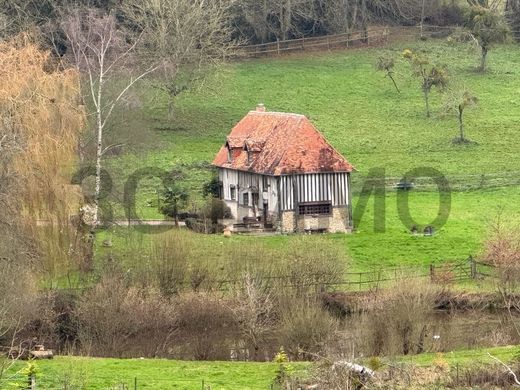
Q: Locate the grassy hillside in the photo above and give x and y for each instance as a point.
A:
(355, 107)
(372, 125)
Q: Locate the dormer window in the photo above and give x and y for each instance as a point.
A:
(229, 153)
(249, 154)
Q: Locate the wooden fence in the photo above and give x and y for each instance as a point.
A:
(371, 36)
(354, 39)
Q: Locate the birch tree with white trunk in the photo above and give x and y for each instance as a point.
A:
(100, 51)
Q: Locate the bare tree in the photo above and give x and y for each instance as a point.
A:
(257, 16)
(254, 312)
(101, 52)
(512, 10)
(188, 37)
(39, 131)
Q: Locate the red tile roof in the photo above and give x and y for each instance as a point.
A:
(279, 144)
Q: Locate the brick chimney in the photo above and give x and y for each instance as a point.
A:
(260, 107)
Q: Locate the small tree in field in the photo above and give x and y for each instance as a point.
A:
(175, 197)
(458, 101)
(489, 27)
(429, 74)
(387, 64)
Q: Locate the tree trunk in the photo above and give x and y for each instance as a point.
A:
(176, 214)
(99, 151)
(393, 81)
(427, 101)
(461, 124)
(483, 59)
(171, 102)
(422, 18)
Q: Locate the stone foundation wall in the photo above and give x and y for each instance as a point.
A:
(335, 223)
(287, 222)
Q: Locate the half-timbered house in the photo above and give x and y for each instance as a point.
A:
(277, 171)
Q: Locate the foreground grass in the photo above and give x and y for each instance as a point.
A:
(98, 373)
(365, 250)
(106, 373)
(465, 357)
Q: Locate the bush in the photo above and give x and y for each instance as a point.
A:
(170, 262)
(206, 327)
(117, 320)
(305, 328)
(216, 209)
(396, 320)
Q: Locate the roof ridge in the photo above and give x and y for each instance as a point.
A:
(279, 113)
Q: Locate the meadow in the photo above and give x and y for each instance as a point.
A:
(97, 374)
(364, 117)
(151, 374)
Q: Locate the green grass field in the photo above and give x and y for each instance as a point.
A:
(155, 374)
(372, 125)
(101, 374)
(470, 218)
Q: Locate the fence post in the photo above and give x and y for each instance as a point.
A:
(328, 42)
(278, 46)
(32, 382)
(432, 272)
(473, 267)
(203, 384)
(135, 383)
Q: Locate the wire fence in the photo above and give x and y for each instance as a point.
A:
(107, 382)
(446, 271)
(451, 182)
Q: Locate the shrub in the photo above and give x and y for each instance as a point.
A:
(396, 320)
(216, 209)
(169, 260)
(502, 249)
(305, 328)
(206, 327)
(117, 320)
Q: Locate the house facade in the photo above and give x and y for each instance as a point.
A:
(277, 170)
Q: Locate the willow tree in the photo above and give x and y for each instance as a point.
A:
(41, 123)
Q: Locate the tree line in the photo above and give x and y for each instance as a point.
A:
(249, 21)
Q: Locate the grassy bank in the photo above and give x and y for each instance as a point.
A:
(98, 374)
